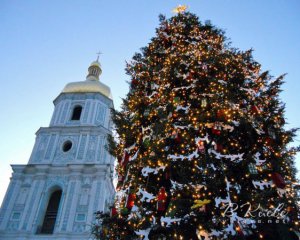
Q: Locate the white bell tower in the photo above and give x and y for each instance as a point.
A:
(69, 174)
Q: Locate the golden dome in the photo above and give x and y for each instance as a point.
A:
(91, 84)
(96, 63)
(88, 86)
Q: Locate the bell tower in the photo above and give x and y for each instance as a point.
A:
(69, 174)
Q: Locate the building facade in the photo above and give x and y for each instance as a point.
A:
(69, 174)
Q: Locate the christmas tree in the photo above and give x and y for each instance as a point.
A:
(202, 149)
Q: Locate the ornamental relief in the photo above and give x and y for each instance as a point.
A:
(22, 196)
(42, 144)
(79, 227)
(66, 148)
(84, 196)
(58, 180)
(13, 226)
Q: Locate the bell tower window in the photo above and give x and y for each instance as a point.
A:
(76, 113)
(51, 213)
(67, 146)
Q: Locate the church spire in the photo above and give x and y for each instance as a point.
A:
(94, 70)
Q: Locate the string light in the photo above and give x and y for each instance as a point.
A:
(182, 85)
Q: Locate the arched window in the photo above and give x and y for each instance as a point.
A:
(51, 213)
(67, 146)
(76, 113)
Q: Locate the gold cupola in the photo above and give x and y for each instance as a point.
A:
(94, 71)
(91, 84)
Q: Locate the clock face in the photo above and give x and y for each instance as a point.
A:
(67, 145)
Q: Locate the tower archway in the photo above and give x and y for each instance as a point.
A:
(51, 212)
(76, 114)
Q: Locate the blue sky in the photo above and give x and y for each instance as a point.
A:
(46, 44)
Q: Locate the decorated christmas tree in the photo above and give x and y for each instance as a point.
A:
(201, 143)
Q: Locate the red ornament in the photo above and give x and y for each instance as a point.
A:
(221, 114)
(255, 109)
(216, 129)
(176, 136)
(190, 75)
(201, 147)
(178, 139)
(125, 159)
(269, 141)
(166, 42)
(174, 115)
(161, 200)
(168, 173)
(278, 180)
(130, 200)
(113, 211)
(219, 147)
(134, 82)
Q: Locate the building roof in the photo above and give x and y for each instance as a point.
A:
(87, 86)
(91, 84)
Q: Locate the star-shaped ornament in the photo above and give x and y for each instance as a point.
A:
(180, 9)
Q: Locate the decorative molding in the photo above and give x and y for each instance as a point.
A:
(91, 117)
(82, 208)
(91, 151)
(100, 150)
(79, 227)
(55, 114)
(50, 146)
(22, 196)
(96, 202)
(60, 111)
(8, 196)
(101, 114)
(42, 145)
(56, 180)
(32, 197)
(86, 112)
(84, 196)
(13, 226)
(82, 147)
(83, 96)
(64, 157)
(68, 205)
(7, 200)
(66, 110)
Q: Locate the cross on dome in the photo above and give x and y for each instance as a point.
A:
(98, 53)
